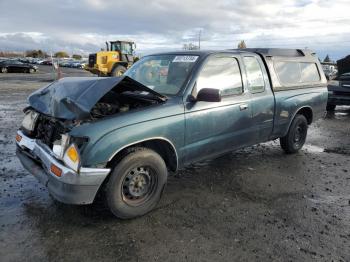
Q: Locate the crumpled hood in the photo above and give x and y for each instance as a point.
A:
(74, 97)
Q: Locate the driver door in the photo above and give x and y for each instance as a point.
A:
(213, 128)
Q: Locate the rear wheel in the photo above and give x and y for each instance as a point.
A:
(118, 70)
(330, 107)
(296, 136)
(3, 70)
(136, 183)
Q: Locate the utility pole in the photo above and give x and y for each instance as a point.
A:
(199, 39)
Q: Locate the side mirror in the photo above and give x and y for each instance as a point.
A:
(209, 95)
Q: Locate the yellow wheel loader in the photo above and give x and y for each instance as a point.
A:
(117, 58)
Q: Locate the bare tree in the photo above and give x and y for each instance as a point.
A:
(61, 54)
(77, 57)
(36, 53)
(190, 46)
(242, 45)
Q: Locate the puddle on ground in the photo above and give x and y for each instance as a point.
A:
(313, 149)
(341, 115)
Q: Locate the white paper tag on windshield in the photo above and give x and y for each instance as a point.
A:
(185, 59)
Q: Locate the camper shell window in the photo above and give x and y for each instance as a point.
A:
(296, 73)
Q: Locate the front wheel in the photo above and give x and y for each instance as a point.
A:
(296, 136)
(3, 70)
(118, 71)
(136, 183)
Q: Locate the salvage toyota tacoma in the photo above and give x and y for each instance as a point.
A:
(119, 137)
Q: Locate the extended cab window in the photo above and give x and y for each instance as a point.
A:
(293, 73)
(221, 73)
(255, 77)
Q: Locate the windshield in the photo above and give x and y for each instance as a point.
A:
(115, 46)
(164, 74)
(125, 48)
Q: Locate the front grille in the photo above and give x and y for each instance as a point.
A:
(48, 130)
(92, 60)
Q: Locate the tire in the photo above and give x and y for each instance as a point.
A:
(136, 183)
(118, 71)
(31, 71)
(296, 136)
(4, 70)
(330, 107)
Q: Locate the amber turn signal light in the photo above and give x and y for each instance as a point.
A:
(18, 138)
(73, 154)
(56, 170)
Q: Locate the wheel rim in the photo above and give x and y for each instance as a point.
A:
(120, 73)
(4, 70)
(138, 185)
(299, 135)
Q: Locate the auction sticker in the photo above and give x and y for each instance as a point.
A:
(185, 59)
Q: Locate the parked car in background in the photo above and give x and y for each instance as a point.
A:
(76, 65)
(71, 64)
(13, 66)
(39, 62)
(339, 91)
(46, 62)
(119, 136)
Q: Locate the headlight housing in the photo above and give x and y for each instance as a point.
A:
(71, 157)
(68, 150)
(29, 120)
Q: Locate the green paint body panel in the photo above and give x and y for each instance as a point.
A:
(201, 130)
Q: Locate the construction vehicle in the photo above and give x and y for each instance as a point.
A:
(117, 58)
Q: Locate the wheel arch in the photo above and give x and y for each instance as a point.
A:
(164, 147)
(307, 112)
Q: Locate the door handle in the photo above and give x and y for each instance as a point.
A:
(243, 107)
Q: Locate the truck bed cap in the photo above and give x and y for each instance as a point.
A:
(280, 52)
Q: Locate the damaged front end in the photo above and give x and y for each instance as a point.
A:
(76, 98)
(56, 109)
(45, 146)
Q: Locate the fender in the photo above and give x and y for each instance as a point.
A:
(296, 112)
(145, 140)
(105, 147)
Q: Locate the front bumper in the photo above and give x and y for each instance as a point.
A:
(71, 187)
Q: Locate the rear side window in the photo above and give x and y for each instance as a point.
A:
(221, 73)
(255, 77)
(309, 72)
(293, 73)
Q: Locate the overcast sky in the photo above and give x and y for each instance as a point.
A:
(82, 26)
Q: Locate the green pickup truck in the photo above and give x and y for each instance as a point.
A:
(119, 137)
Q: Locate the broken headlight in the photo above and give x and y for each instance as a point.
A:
(68, 150)
(29, 120)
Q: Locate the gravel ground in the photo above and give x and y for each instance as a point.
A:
(257, 204)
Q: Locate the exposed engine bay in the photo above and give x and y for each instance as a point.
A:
(59, 107)
(113, 103)
(49, 129)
